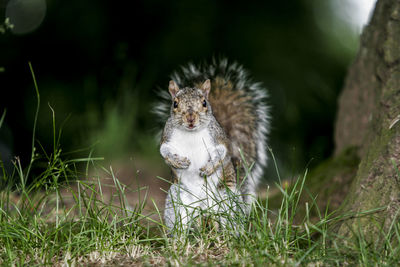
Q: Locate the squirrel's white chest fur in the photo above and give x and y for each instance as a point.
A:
(197, 146)
(192, 190)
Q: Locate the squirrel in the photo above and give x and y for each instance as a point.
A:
(214, 140)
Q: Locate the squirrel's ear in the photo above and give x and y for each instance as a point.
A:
(206, 87)
(173, 88)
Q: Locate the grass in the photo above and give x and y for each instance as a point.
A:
(61, 217)
(37, 227)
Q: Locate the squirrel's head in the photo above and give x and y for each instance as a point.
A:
(190, 107)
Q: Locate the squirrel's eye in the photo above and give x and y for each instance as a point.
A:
(175, 104)
(204, 103)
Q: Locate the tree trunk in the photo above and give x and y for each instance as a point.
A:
(368, 118)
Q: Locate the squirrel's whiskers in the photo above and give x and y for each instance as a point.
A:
(216, 128)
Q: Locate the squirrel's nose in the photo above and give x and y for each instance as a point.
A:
(190, 118)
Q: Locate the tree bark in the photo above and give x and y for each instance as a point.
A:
(368, 118)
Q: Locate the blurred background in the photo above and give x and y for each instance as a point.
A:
(99, 63)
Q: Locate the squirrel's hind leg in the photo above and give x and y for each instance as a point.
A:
(228, 208)
(179, 214)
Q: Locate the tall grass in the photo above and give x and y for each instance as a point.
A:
(62, 217)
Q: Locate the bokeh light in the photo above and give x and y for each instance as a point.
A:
(25, 15)
(355, 12)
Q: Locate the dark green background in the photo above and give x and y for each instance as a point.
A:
(99, 64)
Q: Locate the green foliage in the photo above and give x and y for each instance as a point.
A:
(6, 25)
(2, 117)
(111, 58)
(3, 28)
(38, 226)
(63, 217)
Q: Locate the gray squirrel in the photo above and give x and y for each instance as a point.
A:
(214, 140)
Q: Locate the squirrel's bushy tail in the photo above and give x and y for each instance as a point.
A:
(238, 104)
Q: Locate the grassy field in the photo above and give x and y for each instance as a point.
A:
(63, 216)
(39, 226)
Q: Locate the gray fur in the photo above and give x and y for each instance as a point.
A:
(193, 74)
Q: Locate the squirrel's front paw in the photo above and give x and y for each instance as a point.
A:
(207, 170)
(178, 162)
